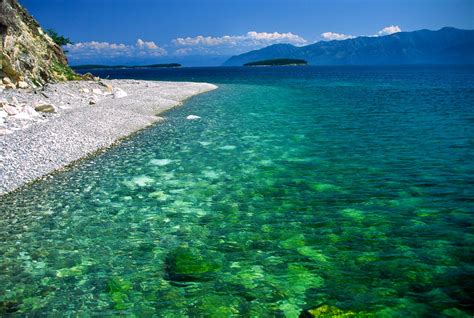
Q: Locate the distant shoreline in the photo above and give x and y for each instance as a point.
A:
(98, 66)
(90, 116)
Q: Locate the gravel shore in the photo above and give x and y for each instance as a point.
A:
(44, 130)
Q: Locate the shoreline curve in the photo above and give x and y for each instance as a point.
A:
(80, 130)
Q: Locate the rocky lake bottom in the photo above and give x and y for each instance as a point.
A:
(300, 191)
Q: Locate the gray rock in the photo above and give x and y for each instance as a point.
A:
(30, 111)
(120, 93)
(4, 131)
(6, 81)
(11, 110)
(22, 85)
(45, 108)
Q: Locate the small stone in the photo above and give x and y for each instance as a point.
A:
(23, 116)
(88, 77)
(14, 101)
(10, 86)
(30, 111)
(120, 93)
(4, 131)
(92, 101)
(85, 90)
(22, 85)
(109, 87)
(6, 81)
(97, 91)
(96, 78)
(3, 114)
(45, 108)
(193, 117)
(11, 110)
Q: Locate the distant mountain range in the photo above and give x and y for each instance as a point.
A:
(445, 46)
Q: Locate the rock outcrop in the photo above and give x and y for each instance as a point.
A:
(28, 55)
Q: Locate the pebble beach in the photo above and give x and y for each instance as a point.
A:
(43, 130)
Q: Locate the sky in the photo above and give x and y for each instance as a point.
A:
(207, 32)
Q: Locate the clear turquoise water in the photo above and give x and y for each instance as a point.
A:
(346, 188)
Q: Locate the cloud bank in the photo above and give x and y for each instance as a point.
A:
(251, 38)
(329, 36)
(113, 50)
(389, 30)
(335, 36)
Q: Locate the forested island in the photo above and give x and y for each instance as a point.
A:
(277, 62)
(95, 66)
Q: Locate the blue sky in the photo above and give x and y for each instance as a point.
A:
(206, 32)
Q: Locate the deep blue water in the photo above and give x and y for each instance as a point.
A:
(344, 190)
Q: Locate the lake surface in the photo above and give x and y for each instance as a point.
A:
(347, 189)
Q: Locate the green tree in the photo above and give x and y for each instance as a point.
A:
(58, 39)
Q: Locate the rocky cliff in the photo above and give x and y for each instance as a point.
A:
(29, 57)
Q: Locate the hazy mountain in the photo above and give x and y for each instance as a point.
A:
(445, 46)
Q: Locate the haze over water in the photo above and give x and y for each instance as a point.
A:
(298, 187)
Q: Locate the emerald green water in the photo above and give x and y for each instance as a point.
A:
(300, 187)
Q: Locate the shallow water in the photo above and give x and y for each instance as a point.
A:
(349, 188)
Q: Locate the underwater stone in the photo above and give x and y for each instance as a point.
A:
(327, 311)
(190, 264)
(216, 306)
(119, 288)
(293, 242)
(325, 187)
(315, 255)
(193, 117)
(160, 162)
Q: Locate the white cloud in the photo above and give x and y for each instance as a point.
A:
(389, 30)
(251, 38)
(146, 45)
(335, 36)
(113, 50)
(339, 36)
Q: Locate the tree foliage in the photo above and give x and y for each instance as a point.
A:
(58, 39)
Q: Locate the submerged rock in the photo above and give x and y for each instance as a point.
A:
(193, 117)
(160, 162)
(327, 311)
(190, 264)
